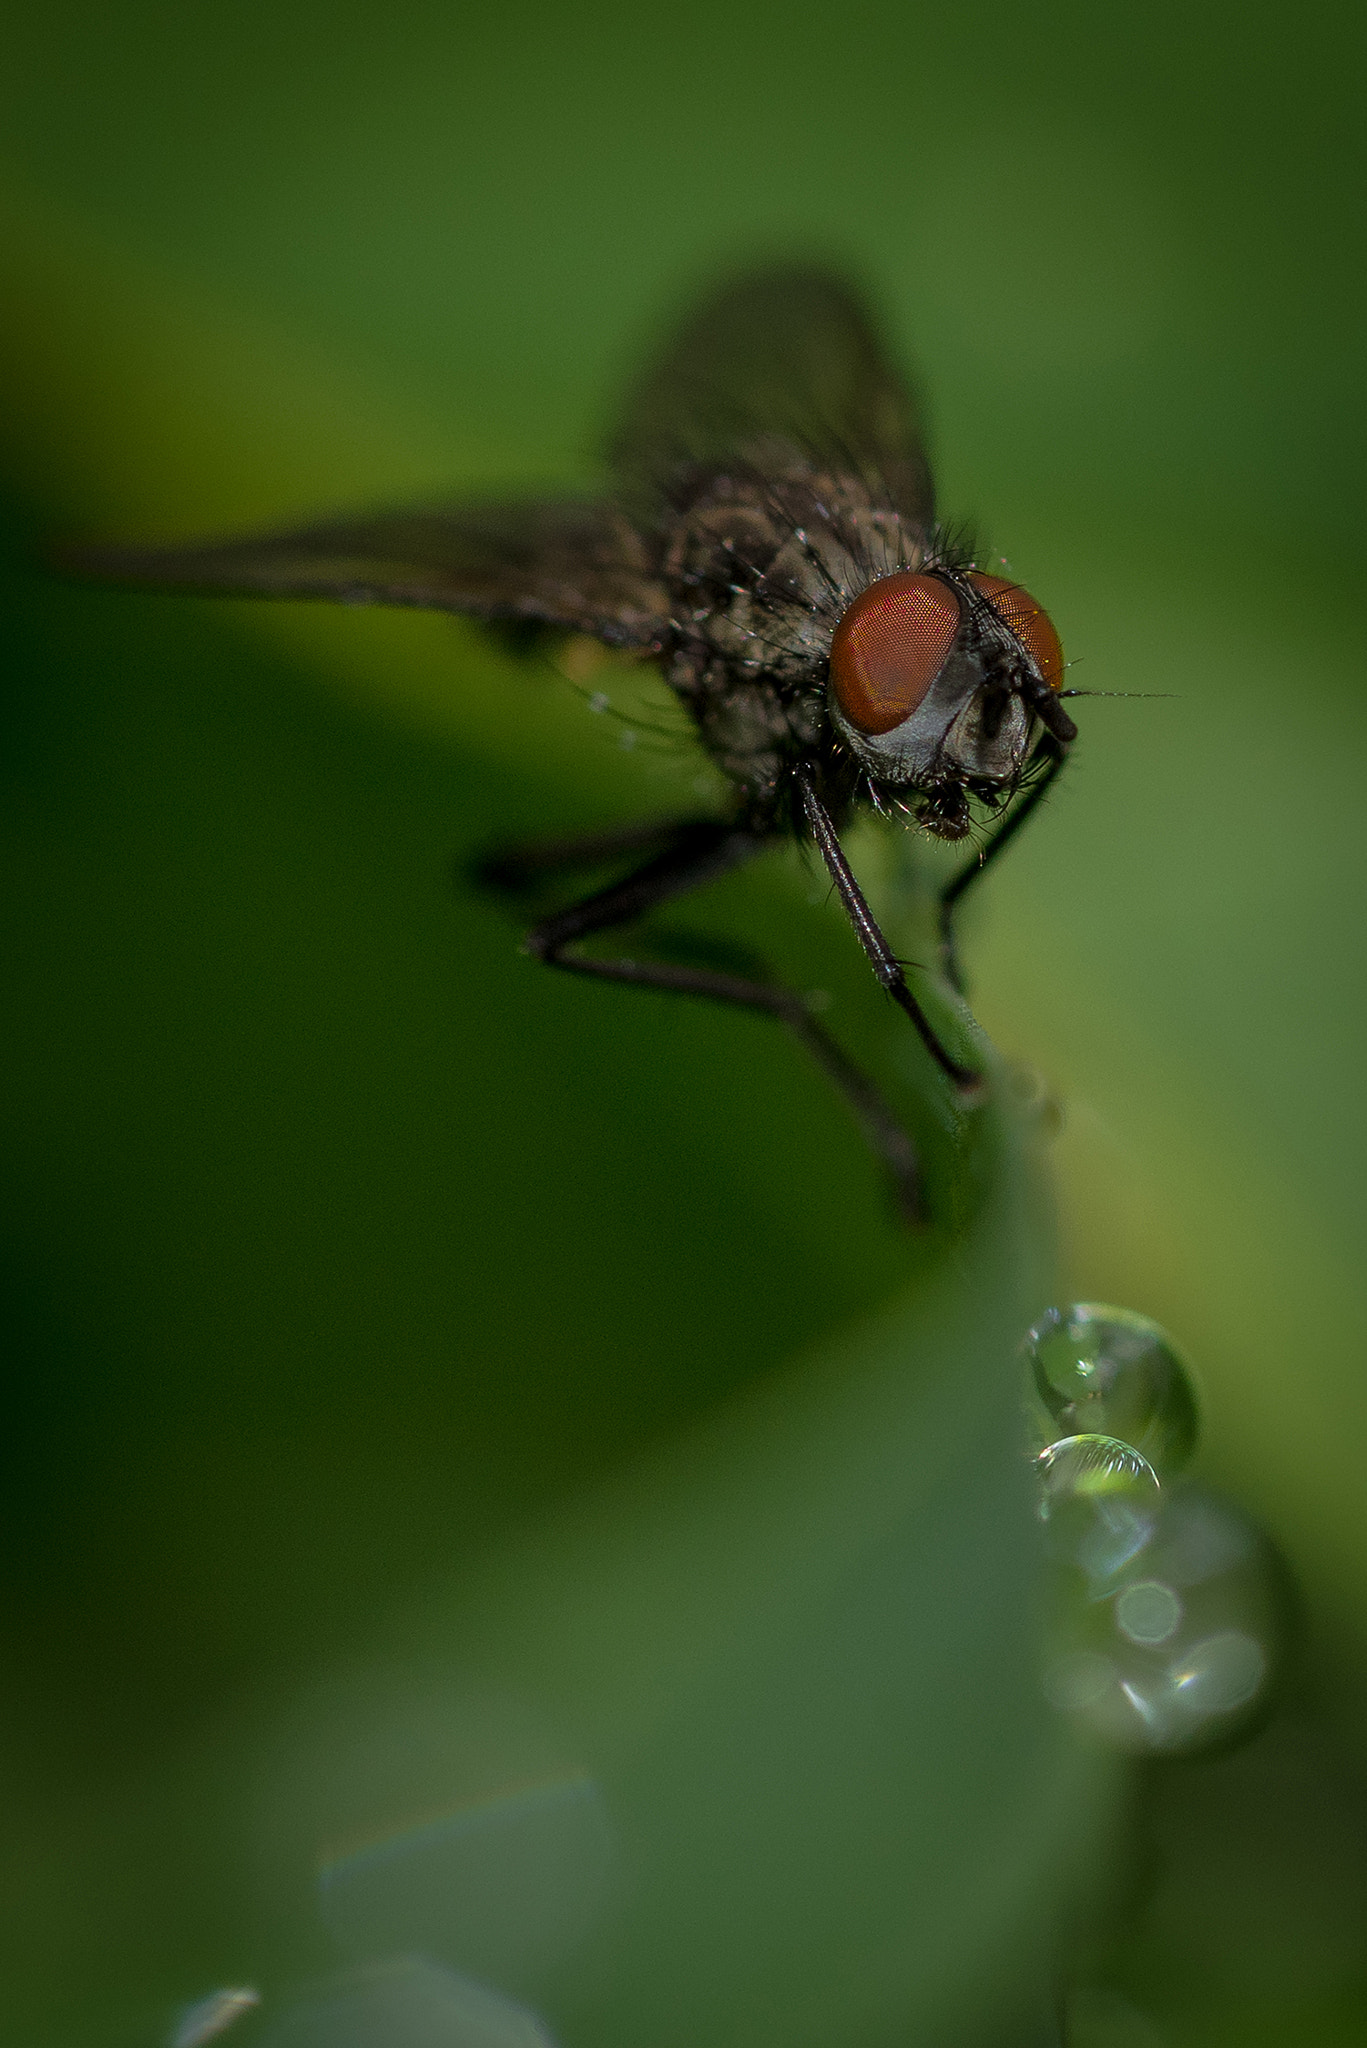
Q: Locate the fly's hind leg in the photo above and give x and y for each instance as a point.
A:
(691, 853)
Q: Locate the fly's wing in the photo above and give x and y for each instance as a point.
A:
(568, 563)
(781, 359)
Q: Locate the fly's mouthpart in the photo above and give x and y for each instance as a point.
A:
(945, 812)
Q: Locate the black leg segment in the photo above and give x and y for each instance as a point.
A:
(694, 852)
(882, 959)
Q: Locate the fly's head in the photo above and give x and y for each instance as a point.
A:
(942, 681)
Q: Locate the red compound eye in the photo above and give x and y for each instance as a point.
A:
(1032, 626)
(890, 646)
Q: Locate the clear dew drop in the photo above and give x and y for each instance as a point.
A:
(1099, 1501)
(1094, 1465)
(1177, 1650)
(1097, 1370)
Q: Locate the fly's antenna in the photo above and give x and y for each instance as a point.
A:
(1155, 695)
(1044, 702)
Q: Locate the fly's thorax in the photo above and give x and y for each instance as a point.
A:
(762, 565)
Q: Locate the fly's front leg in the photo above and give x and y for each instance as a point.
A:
(696, 852)
(882, 959)
(957, 888)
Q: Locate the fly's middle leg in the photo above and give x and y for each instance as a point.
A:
(692, 853)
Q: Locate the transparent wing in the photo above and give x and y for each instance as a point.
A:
(787, 357)
(560, 562)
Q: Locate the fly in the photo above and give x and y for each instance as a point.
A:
(770, 540)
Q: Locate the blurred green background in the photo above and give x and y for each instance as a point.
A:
(341, 1244)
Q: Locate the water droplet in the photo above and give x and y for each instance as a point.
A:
(1099, 1499)
(1205, 1542)
(208, 2017)
(600, 701)
(1096, 1370)
(1153, 1668)
(1092, 1464)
